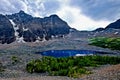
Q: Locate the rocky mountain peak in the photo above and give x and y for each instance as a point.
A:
(54, 16)
(115, 25)
(20, 17)
(22, 12)
(25, 28)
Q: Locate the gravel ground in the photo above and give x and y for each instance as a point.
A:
(105, 73)
(25, 53)
(17, 71)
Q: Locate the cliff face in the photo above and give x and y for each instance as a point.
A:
(6, 30)
(22, 27)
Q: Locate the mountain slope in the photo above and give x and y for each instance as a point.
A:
(6, 30)
(115, 25)
(25, 28)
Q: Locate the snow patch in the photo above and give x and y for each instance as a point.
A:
(80, 55)
(116, 32)
(43, 38)
(25, 29)
(12, 23)
(52, 36)
(38, 40)
(21, 39)
(15, 27)
(83, 54)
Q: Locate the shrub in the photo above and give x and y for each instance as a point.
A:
(72, 67)
(37, 66)
(1, 67)
(112, 43)
(15, 59)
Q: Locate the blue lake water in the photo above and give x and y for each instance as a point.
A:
(67, 53)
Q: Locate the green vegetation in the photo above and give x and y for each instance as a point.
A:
(112, 43)
(71, 66)
(1, 67)
(15, 59)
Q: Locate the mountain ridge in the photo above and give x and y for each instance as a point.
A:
(22, 27)
(115, 24)
(30, 29)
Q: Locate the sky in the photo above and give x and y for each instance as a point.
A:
(79, 14)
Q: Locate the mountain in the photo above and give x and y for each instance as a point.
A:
(99, 29)
(114, 25)
(22, 27)
(112, 30)
(6, 30)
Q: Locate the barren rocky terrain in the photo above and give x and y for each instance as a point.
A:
(27, 51)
